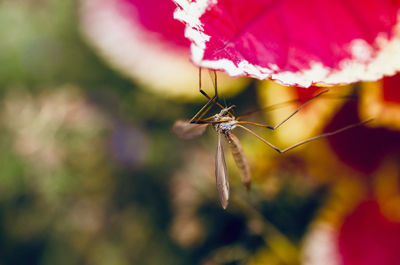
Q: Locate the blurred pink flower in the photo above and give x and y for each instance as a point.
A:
(362, 148)
(366, 236)
(143, 41)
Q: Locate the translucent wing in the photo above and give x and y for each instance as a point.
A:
(221, 175)
(186, 130)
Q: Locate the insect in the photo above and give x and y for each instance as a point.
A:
(224, 122)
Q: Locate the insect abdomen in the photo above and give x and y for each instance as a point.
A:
(240, 159)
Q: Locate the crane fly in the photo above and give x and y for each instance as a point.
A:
(224, 122)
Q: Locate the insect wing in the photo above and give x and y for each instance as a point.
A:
(186, 130)
(221, 175)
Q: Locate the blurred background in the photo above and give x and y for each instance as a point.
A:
(92, 174)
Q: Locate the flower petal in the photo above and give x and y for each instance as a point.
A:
(381, 100)
(365, 237)
(295, 42)
(146, 44)
(363, 148)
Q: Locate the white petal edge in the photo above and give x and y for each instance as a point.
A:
(320, 246)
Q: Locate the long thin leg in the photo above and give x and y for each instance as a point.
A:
(208, 105)
(269, 108)
(214, 82)
(290, 102)
(259, 137)
(307, 140)
(254, 123)
(287, 118)
(211, 118)
(207, 108)
(215, 97)
(299, 108)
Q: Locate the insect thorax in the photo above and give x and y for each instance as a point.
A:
(226, 124)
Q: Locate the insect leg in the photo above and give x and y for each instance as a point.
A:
(213, 99)
(259, 137)
(203, 111)
(290, 102)
(326, 134)
(287, 118)
(297, 110)
(304, 141)
(208, 105)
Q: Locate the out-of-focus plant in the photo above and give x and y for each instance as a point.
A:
(92, 174)
(143, 41)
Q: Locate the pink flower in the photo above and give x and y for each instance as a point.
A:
(295, 42)
(143, 41)
(366, 236)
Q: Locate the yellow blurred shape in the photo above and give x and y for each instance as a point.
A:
(387, 189)
(309, 121)
(373, 105)
(142, 56)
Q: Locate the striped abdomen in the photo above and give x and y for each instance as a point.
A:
(238, 155)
